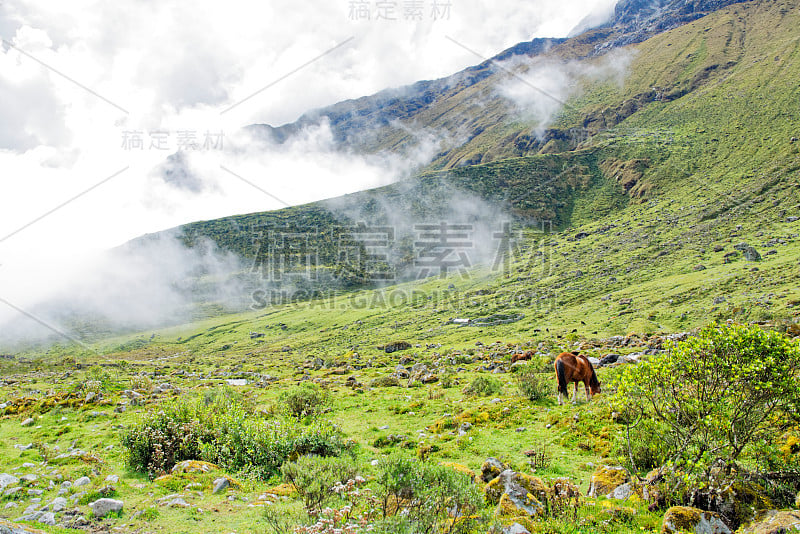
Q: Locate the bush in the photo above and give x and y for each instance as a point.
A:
(223, 433)
(305, 400)
(421, 497)
(484, 386)
(532, 385)
(710, 400)
(314, 477)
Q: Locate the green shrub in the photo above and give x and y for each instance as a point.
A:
(710, 401)
(484, 386)
(226, 434)
(304, 401)
(314, 477)
(532, 385)
(418, 496)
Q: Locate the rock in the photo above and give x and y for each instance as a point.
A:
(47, 518)
(29, 517)
(236, 381)
(773, 522)
(517, 494)
(594, 361)
(396, 346)
(58, 504)
(719, 300)
(621, 493)
(607, 479)
(516, 528)
(102, 507)
(220, 485)
(29, 479)
(699, 267)
(193, 466)
(684, 518)
(7, 480)
(608, 359)
(83, 481)
(491, 469)
(794, 331)
(430, 378)
(178, 503)
(27, 422)
(462, 431)
(751, 254)
(112, 478)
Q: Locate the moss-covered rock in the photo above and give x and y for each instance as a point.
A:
(526, 507)
(523, 491)
(606, 479)
(194, 466)
(773, 522)
(688, 519)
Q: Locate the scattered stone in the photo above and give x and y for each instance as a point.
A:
(58, 504)
(7, 480)
(699, 267)
(27, 422)
(516, 528)
(29, 479)
(102, 507)
(83, 481)
(220, 485)
(112, 478)
(684, 518)
(178, 503)
(237, 381)
(621, 493)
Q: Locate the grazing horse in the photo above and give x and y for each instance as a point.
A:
(575, 367)
(519, 357)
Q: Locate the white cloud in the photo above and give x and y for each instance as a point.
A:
(173, 67)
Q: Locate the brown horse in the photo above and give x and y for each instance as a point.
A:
(575, 367)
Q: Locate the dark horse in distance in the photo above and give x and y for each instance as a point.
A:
(575, 367)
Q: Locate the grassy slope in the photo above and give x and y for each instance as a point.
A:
(721, 170)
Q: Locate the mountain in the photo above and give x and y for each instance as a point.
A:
(467, 107)
(667, 179)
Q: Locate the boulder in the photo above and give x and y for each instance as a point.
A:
(83, 481)
(103, 507)
(7, 480)
(774, 522)
(607, 479)
(517, 494)
(687, 519)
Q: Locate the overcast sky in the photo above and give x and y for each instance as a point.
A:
(95, 95)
